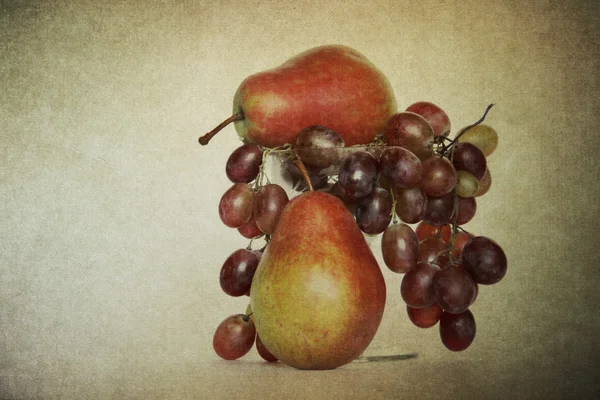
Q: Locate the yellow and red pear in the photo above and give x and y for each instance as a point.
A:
(318, 294)
(333, 86)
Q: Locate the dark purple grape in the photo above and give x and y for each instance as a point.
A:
(401, 167)
(485, 260)
(296, 180)
(457, 331)
(336, 190)
(399, 248)
(236, 205)
(411, 204)
(467, 206)
(440, 210)
(455, 288)
(425, 317)
(244, 163)
(319, 146)
(237, 272)
(439, 176)
(234, 337)
(468, 157)
(374, 212)
(431, 248)
(417, 285)
(270, 201)
(358, 174)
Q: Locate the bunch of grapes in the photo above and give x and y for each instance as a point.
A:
(252, 207)
(413, 173)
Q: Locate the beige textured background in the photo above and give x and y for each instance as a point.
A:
(111, 243)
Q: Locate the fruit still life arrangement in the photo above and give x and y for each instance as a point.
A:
(359, 168)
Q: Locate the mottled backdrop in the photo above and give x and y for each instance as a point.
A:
(111, 244)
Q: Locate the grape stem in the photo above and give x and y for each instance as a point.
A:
(448, 146)
(285, 149)
(464, 230)
(203, 140)
(454, 226)
(394, 204)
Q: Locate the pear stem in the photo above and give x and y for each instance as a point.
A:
(203, 140)
(298, 161)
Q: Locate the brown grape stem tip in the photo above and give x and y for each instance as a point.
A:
(455, 140)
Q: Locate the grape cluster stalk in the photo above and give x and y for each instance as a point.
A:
(412, 185)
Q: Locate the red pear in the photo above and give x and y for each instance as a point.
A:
(332, 86)
(318, 294)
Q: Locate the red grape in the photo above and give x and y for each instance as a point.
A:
(337, 191)
(417, 285)
(439, 176)
(440, 210)
(264, 352)
(460, 240)
(484, 183)
(425, 230)
(237, 272)
(409, 130)
(258, 253)
(457, 331)
(423, 153)
(374, 212)
(470, 158)
(467, 206)
(244, 163)
(431, 248)
(455, 288)
(358, 174)
(401, 167)
(485, 260)
(437, 118)
(296, 180)
(425, 317)
(444, 258)
(250, 230)
(399, 247)
(234, 337)
(411, 204)
(236, 204)
(319, 146)
(270, 201)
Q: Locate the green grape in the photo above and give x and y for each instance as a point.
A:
(482, 136)
(466, 184)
